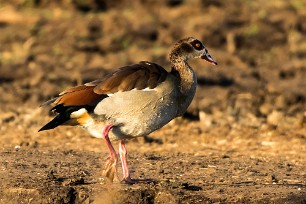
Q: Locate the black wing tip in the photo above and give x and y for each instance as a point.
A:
(48, 126)
(63, 115)
(42, 129)
(57, 121)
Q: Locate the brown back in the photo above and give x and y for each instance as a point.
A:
(136, 76)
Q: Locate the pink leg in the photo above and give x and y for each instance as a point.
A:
(125, 169)
(109, 145)
(110, 169)
(123, 153)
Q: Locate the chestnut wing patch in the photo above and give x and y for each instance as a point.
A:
(136, 76)
(78, 96)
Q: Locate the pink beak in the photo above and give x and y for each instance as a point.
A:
(209, 58)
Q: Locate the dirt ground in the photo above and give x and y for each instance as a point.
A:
(243, 139)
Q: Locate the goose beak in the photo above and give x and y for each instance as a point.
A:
(209, 58)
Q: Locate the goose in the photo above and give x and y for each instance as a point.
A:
(132, 101)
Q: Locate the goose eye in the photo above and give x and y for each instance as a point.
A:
(197, 45)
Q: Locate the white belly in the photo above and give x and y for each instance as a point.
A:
(138, 113)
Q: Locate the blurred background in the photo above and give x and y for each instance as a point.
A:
(247, 118)
(47, 46)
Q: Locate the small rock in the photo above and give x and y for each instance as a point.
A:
(280, 102)
(17, 147)
(206, 119)
(275, 118)
(266, 108)
(274, 179)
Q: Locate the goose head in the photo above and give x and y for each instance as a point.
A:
(189, 48)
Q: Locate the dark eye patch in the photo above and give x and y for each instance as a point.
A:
(186, 47)
(197, 45)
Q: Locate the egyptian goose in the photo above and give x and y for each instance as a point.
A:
(132, 101)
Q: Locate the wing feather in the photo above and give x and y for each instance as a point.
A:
(137, 76)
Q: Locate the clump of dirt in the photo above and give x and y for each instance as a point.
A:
(242, 139)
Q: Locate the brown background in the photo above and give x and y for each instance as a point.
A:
(242, 140)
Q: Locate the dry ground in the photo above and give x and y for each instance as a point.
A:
(243, 139)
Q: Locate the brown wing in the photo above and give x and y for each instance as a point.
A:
(136, 76)
(78, 96)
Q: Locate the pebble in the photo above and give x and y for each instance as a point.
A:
(17, 147)
(205, 119)
(275, 118)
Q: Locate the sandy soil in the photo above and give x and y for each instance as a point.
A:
(243, 139)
